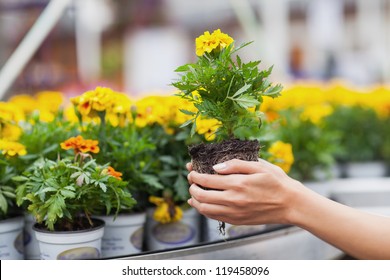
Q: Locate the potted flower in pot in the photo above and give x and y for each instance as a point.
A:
(224, 88)
(170, 221)
(43, 127)
(112, 118)
(367, 140)
(63, 196)
(11, 216)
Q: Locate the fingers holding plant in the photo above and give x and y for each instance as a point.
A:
(260, 194)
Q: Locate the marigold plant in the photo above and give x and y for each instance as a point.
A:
(223, 88)
(112, 119)
(61, 193)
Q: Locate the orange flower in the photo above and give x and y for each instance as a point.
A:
(111, 171)
(79, 144)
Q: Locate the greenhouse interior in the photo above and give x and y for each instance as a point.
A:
(106, 104)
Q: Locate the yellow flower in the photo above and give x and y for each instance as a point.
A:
(94, 101)
(10, 112)
(120, 114)
(46, 115)
(49, 100)
(281, 155)
(166, 211)
(70, 114)
(316, 113)
(10, 132)
(25, 102)
(152, 109)
(10, 148)
(214, 41)
(122, 104)
(207, 127)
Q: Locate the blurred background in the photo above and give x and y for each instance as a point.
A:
(134, 45)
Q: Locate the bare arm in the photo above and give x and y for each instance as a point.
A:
(261, 193)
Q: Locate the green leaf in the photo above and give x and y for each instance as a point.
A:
(193, 129)
(71, 188)
(238, 59)
(183, 68)
(187, 123)
(103, 186)
(9, 194)
(189, 113)
(246, 101)
(52, 183)
(242, 90)
(167, 159)
(3, 203)
(241, 46)
(152, 181)
(45, 190)
(91, 162)
(181, 187)
(19, 178)
(273, 91)
(54, 210)
(50, 149)
(67, 193)
(74, 175)
(87, 179)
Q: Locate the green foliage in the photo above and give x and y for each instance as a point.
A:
(42, 139)
(7, 189)
(313, 146)
(360, 131)
(57, 192)
(130, 150)
(172, 155)
(385, 145)
(226, 90)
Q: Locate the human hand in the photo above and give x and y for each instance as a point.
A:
(243, 192)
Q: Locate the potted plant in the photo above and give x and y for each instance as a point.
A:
(128, 145)
(63, 196)
(42, 129)
(361, 155)
(229, 91)
(170, 222)
(11, 216)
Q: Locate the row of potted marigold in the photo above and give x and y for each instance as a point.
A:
(102, 155)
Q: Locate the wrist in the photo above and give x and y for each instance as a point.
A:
(296, 205)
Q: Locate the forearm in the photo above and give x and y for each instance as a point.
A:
(357, 233)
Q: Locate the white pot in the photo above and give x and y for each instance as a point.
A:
(71, 245)
(11, 239)
(366, 169)
(231, 231)
(31, 247)
(124, 235)
(172, 235)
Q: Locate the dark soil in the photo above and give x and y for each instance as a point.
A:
(204, 156)
(78, 224)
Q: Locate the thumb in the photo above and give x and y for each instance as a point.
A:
(237, 166)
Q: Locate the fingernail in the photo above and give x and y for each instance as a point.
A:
(189, 201)
(220, 166)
